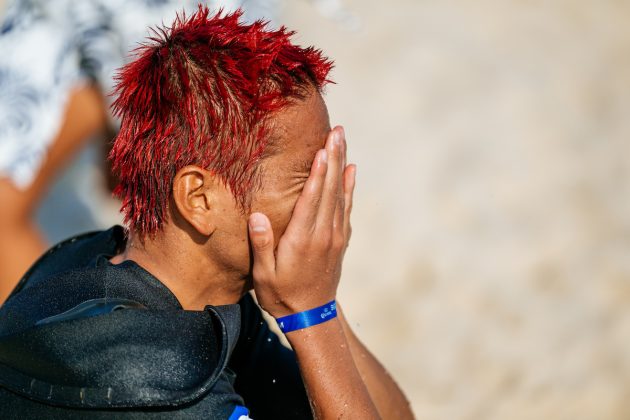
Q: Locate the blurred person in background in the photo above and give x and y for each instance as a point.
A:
(231, 179)
(55, 76)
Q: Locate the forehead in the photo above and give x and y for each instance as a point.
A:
(302, 127)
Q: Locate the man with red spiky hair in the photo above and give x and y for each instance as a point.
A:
(231, 179)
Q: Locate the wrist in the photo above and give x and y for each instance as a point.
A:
(308, 318)
(278, 305)
(316, 336)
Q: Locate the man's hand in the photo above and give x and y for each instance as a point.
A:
(305, 271)
(304, 274)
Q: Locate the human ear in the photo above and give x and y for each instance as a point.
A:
(192, 194)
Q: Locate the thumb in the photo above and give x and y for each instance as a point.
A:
(261, 238)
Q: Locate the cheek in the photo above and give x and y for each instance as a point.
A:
(282, 220)
(278, 207)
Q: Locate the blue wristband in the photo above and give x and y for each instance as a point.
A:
(308, 318)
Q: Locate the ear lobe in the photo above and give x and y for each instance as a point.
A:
(192, 197)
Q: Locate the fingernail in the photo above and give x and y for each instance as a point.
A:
(323, 156)
(337, 137)
(257, 223)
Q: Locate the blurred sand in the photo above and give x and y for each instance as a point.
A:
(490, 263)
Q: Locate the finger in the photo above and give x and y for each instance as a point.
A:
(345, 149)
(338, 218)
(261, 238)
(349, 181)
(330, 193)
(307, 205)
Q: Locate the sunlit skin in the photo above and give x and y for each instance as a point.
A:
(210, 226)
(289, 247)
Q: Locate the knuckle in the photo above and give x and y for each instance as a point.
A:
(338, 241)
(295, 244)
(263, 244)
(298, 246)
(312, 198)
(324, 239)
(315, 199)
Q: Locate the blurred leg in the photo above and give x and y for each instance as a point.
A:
(21, 243)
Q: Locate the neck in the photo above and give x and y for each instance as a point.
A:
(190, 275)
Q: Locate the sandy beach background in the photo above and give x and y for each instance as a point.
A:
(490, 263)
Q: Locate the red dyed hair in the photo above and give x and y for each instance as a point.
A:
(201, 92)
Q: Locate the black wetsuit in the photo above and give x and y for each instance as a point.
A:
(82, 338)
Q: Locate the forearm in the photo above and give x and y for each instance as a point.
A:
(332, 380)
(310, 253)
(389, 399)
